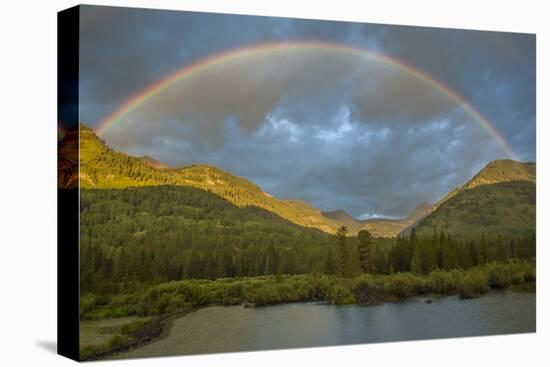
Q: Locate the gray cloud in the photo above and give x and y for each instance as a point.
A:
(340, 131)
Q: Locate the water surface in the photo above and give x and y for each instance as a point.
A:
(235, 328)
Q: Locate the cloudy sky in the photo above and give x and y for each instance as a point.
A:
(338, 130)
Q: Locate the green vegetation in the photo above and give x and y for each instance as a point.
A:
(180, 295)
(149, 235)
(507, 208)
(139, 237)
(504, 170)
(103, 336)
(422, 255)
(157, 241)
(474, 284)
(365, 250)
(500, 199)
(103, 168)
(154, 251)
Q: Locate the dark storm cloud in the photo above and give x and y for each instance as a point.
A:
(339, 131)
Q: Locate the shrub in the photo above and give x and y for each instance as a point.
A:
(499, 275)
(304, 291)
(285, 292)
(441, 282)
(232, 294)
(87, 303)
(340, 295)
(530, 275)
(263, 295)
(369, 289)
(321, 286)
(403, 285)
(366, 281)
(474, 284)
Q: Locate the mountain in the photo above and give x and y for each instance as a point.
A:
(392, 227)
(104, 168)
(419, 212)
(505, 170)
(379, 227)
(340, 216)
(499, 199)
(344, 219)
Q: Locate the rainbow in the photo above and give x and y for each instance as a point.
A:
(202, 65)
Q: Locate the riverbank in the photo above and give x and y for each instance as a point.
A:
(128, 336)
(167, 301)
(223, 329)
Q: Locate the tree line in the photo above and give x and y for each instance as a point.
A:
(422, 255)
(150, 235)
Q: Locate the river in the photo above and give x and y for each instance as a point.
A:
(236, 328)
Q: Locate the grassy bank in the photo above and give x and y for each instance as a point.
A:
(176, 297)
(101, 338)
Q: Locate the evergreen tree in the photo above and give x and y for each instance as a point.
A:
(501, 250)
(416, 262)
(331, 265)
(379, 260)
(448, 255)
(343, 252)
(483, 250)
(365, 250)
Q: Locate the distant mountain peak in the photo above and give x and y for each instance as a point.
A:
(499, 199)
(503, 170)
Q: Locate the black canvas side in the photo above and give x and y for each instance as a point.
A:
(68, 195)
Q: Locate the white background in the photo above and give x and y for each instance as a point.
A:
(28, 182)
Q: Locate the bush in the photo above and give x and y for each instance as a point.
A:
(474, 284)
(530, 275)
(264, 290)
(90, 301)
(263, 295)
(87, 303)
(441, 282)
(286, 292)
(403, 285)
(367, 281)
(232, 294)
(500, 275)
(369, 289)
(304, 291)
(513, 272)
(340, 295)
(321, 286)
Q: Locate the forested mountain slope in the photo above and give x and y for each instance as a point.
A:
(499, 200)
